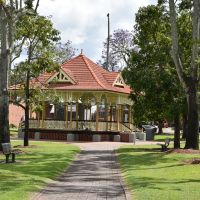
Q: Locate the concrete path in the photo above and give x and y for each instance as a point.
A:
(94, 175)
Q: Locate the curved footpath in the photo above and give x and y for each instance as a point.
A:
(94, 175)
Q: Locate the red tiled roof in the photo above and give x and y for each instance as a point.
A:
(86, 74)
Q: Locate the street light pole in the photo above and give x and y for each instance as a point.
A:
(108, 42)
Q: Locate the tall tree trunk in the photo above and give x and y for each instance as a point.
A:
(4, 66)
(176, 131)
(192, 138)
(26, 131)
(188, 81)
(185, 126)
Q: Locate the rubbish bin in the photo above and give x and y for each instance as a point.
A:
(150, 132)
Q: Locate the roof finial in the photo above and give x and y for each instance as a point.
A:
(81, 51)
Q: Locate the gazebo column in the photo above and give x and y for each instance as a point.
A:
(118, 116)
(66, 115)
(77, 113)
(106, 114)
(120, 119)
(129, 116)
(86, 114)
(38, 119)
(43, 114)
(111, 115)
(30, 113)
(71, 115)
(90, 113)
(97, 116)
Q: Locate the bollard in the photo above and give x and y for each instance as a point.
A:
(132, 137)
(117, 138)
(142, 136)
(37, 136)
(20, 133)
(70, 137)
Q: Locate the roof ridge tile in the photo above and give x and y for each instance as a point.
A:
(93, 74)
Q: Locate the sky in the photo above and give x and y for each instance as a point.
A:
(84, 22)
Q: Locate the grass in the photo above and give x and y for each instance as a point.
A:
(13, 132)
(36, 167)
(153, 175)
(163, 137)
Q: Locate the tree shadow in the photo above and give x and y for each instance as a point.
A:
(159, 183)
(33, 169)
(137, 160)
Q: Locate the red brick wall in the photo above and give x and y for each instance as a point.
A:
(15, 114)
(124, 137)
(31, 135)
(53, 136)
(84, 137)
(105, 138)
(78, 136)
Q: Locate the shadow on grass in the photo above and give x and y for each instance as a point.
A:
(33, 169)
(148, 158)
(152, 170)
(159, 183)
(92, 168)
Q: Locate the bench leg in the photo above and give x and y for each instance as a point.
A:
(164, 148)
(7, 158)
(13, 157)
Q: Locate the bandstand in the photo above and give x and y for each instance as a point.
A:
(94, 101)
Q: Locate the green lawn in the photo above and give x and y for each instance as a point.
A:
(163, 137)
(153, 175)
(13, 132)
(34, 168)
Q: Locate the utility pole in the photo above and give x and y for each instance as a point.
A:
(108, 42)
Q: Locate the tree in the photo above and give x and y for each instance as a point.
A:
(38, 38)
(120, 47)
(10, 11)
(188, 76)
(4, 64)
(64, 51)
(150, 72)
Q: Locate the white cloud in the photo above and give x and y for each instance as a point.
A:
(84, 22)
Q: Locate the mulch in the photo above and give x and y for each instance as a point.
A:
(192, 161)
(185, 151)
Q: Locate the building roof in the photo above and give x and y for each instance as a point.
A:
(80, 73)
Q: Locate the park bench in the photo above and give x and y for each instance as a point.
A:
(7, 151)
(165, 145)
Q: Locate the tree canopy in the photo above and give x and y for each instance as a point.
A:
(119, 51)
(150, 72)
